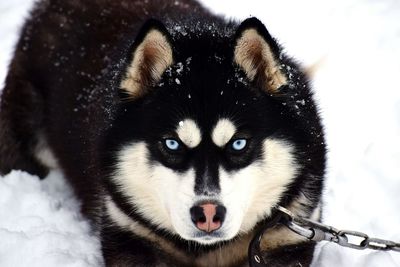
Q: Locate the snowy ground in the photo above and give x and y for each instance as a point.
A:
(358, 42)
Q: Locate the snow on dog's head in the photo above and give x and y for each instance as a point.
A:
(207, 144)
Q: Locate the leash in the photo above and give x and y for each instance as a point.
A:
(315, 231)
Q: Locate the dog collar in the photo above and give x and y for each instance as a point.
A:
(254, 253)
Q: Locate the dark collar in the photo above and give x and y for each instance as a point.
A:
(254, 254)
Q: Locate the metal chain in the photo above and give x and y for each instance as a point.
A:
(321, 232)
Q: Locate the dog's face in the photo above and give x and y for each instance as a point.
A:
(204, 152)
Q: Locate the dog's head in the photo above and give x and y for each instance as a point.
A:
(210, 131)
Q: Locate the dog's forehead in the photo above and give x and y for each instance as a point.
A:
(206, 97)
(223, 131)
(212, 81)
(191, 132)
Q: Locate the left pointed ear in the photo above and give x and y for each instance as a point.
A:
(151, 55)
(257, 54)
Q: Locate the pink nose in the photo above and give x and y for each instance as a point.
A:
(209, 225)
(208, 217)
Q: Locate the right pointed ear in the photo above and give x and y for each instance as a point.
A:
(256, 52)
(151, 56)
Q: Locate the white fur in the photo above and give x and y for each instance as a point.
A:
(165, 197)
(44, 154)
(122, 220)
(189, 133)
(251, 193)
(118, 216)
(160, 194)
(278, 169)
(223, 132)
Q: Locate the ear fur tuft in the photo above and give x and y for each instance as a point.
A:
(152, 55)
(256, 52)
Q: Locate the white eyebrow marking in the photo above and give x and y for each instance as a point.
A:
(189, 133)
(223, 132)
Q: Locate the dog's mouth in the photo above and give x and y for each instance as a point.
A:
(209, 238)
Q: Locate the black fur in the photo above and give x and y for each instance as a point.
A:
(63, 86)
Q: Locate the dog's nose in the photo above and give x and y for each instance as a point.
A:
(208, 217)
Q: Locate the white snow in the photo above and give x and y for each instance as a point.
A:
(357, 43)
(40, 224)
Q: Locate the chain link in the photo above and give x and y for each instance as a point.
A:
(321, 232)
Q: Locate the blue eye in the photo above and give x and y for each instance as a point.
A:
(172, 144)
(239, 144)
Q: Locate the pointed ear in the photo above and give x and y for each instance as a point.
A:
(151, 56)
(257, 54)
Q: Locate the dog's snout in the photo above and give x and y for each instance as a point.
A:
(208, 217)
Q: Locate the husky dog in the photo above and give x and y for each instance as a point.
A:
(178, 130)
